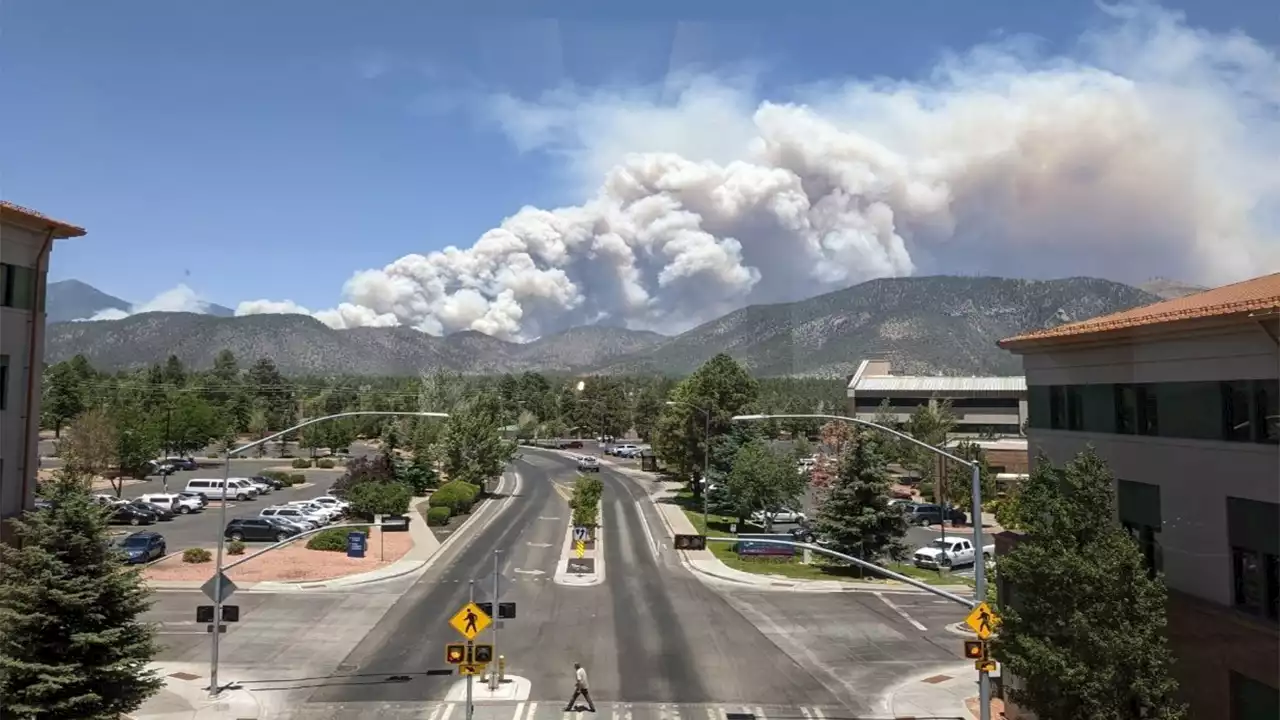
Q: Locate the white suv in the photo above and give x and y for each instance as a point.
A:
(293, 514)
(181, 504)
(315, 508)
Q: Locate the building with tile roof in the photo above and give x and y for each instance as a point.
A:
(26, 239)
(1181, 398)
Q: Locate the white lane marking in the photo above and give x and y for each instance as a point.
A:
(805, 711)
(817, 713)
(711, 714)
(644, 525)
(626, 714)
(724, 714)
(448, 710)
(893, 606)
(760, 713)
(538, 545)
(519, 711)
(435, 712)
(533, 709)
(181, 632)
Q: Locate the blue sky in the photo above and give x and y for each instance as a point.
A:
(270, 149)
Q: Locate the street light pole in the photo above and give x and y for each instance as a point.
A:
(214, 689)
(979, 566)
(706, 457)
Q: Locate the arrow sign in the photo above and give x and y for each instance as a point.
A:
(210, 588)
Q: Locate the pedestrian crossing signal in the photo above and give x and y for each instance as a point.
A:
(455, 653)
(483, 654)
(975, 650)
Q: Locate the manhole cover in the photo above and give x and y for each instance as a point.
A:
(348, 667)
(936, 679)
(184, 676)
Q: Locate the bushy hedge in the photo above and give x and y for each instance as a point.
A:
(301, 463)
(325, 464)
(457, 496)
(586, 500)
(196, 555)
(297, 479)
(278, 475)
(438, 516)
(235, 547)
(333, 539)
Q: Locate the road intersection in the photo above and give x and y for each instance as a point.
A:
(657, 641)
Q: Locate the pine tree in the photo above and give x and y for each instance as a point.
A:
(73, 644)
(856, 518)
(1085, 629)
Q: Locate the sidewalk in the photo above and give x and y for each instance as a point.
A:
(424, 547)
(945, 693)
(186, 697)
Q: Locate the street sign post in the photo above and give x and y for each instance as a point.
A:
(470, 670)
(984, 665)
(983, 621)
(581, 533)
(211, 588)
(470, 621)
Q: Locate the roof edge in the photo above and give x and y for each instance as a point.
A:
(19, 215)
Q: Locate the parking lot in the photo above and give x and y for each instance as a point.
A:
(201, 529)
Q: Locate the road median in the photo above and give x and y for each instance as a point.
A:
(581, 559)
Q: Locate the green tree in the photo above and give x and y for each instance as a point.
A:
(1085, 632)
(959, 485)
(137, 442)
(762, 479)
(472, 448)
(259, 427)
(930, 424)
(649, 404)
(368, 469)
(192, 424)
(89, 449)
(855, 517)
(74, 646)
(175, 373)
(64, 396)
(721, 387)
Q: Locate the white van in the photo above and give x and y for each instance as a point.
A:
(238, 489)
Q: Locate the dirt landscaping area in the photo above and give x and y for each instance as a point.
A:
(292, 563)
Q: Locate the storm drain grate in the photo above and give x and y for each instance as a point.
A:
(739, 716)
(184, 676)
(936, 679)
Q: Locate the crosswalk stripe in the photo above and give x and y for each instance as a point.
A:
(434, 714)
(519, 711)
(805, 711)
(711, 713)
(817, 712)
(760, 713)
(533, 711)
(448, 710)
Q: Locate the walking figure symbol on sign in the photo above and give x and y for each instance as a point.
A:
(471, 621)
(984, 620)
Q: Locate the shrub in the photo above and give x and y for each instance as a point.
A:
(196, 555)
(235, 547)
(379, 498)
(280, 475)
(297, 479)
(586, 500)
(458, 496)
(438, 516)
(333, 539)
(301, 463)
(325, 463)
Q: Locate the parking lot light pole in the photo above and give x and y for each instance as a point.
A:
(706, 457)
(214, 689)
(975, 474)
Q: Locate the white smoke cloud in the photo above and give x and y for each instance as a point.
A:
(178, 299)
(1150, 151)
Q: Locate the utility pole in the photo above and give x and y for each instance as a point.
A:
(493, 674)
(471, 597)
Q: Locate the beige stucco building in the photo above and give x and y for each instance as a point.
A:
(981, 405)
(26, 239)
(1181, 399)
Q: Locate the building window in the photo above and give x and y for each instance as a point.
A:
(1148, 541)
(17, 286)
(1267, 410)
(1138, 505)
(867, 402)
(1006, 403)
(1239, 423)
(1255, 556)
(4, 382)
(1253, 700)
(1126, 399)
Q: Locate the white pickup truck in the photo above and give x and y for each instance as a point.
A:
(949, 552)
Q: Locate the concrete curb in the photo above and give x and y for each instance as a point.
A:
(562, 576)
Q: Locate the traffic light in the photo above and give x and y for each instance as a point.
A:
(975, 649)
(691, 542)
(483, 654)
(455, 653)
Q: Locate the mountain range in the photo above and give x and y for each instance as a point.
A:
(68, 300)
(923, 325)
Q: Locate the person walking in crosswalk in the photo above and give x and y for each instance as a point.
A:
(580, 689)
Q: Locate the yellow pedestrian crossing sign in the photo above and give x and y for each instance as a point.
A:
(470, 621)
(983, 620)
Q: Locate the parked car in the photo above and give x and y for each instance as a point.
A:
(236, 488)
(292, 514)
(270, 481)
(143, 547)
(927, 514)
(618, 450)
(123, 513)
(181, 504)
(949, 552)
(586, 463)
(328, 513)
(197, 496)
(778, 516)
(181, 463)
(260, 529)
(161, 512)
(331, 501)
(263, 488)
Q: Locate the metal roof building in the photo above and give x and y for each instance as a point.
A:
(981, 405)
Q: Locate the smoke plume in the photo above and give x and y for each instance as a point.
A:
(1151, 150)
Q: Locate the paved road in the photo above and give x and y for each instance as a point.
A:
(651, 633)
(202, 529)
